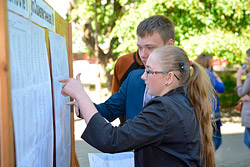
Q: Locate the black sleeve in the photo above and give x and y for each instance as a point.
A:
(146, 128)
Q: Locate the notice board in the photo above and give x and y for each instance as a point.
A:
(36, 126)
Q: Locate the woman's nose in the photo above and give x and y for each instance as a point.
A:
(144, 76)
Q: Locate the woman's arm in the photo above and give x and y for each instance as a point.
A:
(217, 82)
(240, 72)
(73, 88)
(146, 128)
(217, 77)
(242, 89)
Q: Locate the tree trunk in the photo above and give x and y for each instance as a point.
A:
(90, 38)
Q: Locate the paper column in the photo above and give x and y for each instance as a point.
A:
(31, 93)
(60, 70)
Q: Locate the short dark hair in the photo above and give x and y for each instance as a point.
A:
(248, 52)
(158, 23)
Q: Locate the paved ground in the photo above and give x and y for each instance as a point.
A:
(232, 153)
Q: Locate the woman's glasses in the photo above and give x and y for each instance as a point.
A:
(158, 72)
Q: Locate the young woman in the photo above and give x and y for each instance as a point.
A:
(170, 131)
(243, 91)
(206, 61)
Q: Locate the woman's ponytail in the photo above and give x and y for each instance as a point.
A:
(201, 94)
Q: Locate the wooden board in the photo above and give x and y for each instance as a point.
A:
(7, 142)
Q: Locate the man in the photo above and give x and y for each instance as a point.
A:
(152, 33)
(125, 64)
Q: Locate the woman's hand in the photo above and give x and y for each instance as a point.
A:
(72, 87)
(241, 71)
(245, 98)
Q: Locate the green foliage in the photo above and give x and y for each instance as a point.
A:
(229, 98)
(218, 27)
(106, 16)
(219, 44)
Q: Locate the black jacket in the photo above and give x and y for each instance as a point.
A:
(165, 133)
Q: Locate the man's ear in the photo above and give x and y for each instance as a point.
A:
(170, 42)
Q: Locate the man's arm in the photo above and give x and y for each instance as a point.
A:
(111, 108)
(116, 104)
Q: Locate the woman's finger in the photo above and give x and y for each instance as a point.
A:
(78, 76)
(77, 111)
(64, 80)
(63, 93)
(76, 106)
(71, 103)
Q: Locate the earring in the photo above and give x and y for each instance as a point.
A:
(166, 84)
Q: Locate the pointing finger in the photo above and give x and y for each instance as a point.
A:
(64, 80)
(78, 76)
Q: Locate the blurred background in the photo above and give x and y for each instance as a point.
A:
(103, 30)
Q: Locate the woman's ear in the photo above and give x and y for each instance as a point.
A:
(169, 79)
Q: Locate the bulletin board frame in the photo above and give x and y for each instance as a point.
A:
(7, 154)
(7, 136)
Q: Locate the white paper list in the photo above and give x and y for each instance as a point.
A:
(30, 93)
(60, 70)
(125, 159)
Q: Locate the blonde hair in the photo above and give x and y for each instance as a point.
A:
(199, 91)
(205, 60)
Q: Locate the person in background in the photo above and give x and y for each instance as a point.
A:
(153, 32)
(206, 61)
(170, 131)
(243, 91)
